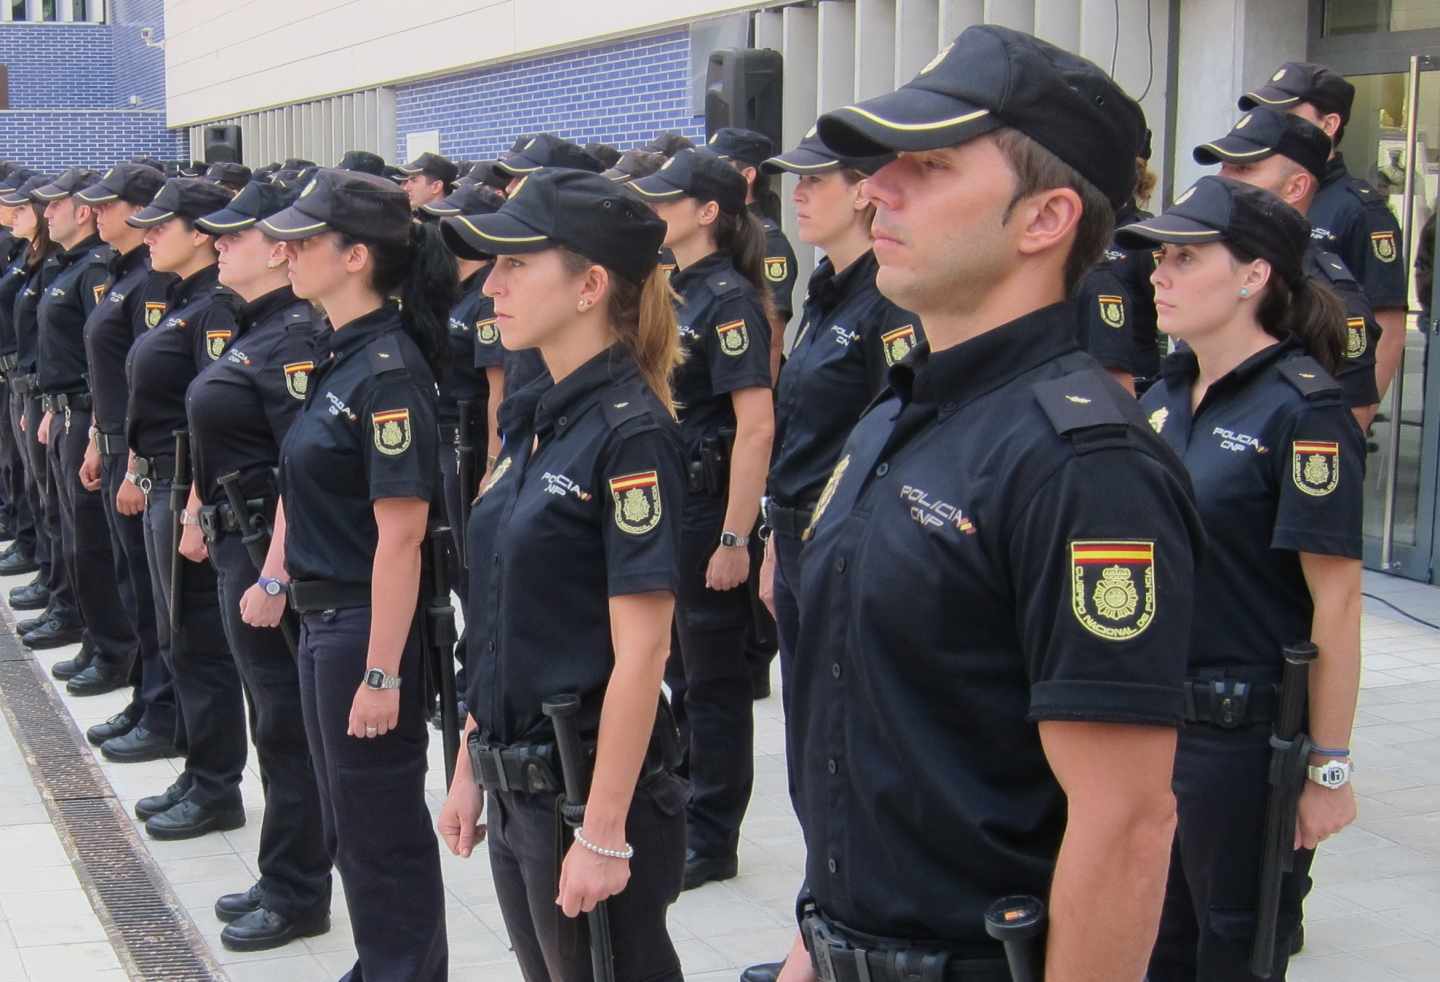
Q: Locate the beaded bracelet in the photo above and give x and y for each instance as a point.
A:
(627, 853)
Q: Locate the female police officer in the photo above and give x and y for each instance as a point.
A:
(1276, 460)
(240, 409)
(589, 489)
(726, 421)
(849, 337)
(358, 473)
(210, 718)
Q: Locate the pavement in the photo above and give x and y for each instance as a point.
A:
(1374, 915)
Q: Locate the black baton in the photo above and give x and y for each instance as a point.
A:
(1289, 754)
(465, 468)
(1018, 923)
(562, 711)
(256, 539)
(438, 632)
(179, 497)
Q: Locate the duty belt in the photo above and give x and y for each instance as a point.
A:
(534, 768)
(312, 596)
(790, 522)
(1230, 703)
(217, 519)
(843, 957)
(148, 470)
(111, 444)
(67, 403)
(8, 364)
(23, 385)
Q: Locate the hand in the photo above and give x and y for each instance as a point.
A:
(90, 469)
(459, 823)
(767, 577)
(129, 500)
(728, 568)
(44, 435)
(374, 712)
(798, 966)
(192, 544)
(586, 878)
(259, 609)
(1323, 813)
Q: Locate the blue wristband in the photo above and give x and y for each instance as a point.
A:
(1330, 752)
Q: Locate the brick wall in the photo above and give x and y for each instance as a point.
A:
(622, 94)
(139, 68)
(58, 66)
(51, 141)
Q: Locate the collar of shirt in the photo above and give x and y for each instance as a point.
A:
(985, 363)
(1130, 212)
(716, 262)
(359, 332)
(125, 262)
(258, 310)
(190, 288)
(563, 401)
(1182, 368)
(476, 281)
(828, 289)
(71, 255)
(1335, 170)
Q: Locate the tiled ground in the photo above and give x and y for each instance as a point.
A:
(1374, 917)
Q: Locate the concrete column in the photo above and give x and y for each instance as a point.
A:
(802, 29)
(33, 10)
(956, 15)
(1019, 14)
(65, 11)
(836, 53)
(768, 30)
(1058, 21)
(917, 25)
(874, 48)
(95, 13)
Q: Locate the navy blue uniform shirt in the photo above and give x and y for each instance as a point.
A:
(27, 314)
(367, 432)
(1357, 375)
(162, 362)
(135, 301)
(1115, 307)
(1278, 463)
(849, 337)
(780, 265)
(76, 288)
(13, 275)
(1003, 541)
(243, 404)
(1352, 219)
(463, 378)
(584, 504)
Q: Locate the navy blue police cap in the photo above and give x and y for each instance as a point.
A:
(743, 146)
(21, 195)
(1263, 133)
(488, 172)
(1217, 209)
(466, 199)
(577, 210)
(1302, 81)
(136, 183)
(812, 156)
(184, 197)
(364, 161)
(432, 165)
(993, 77)
(72, 180)
(695, 174)
(546, 150)
(354, 203)
(635, 164)
(18, 177)
(256, 200)
(228, 172)
(297, 163)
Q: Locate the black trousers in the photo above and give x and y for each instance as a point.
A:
(85, 545)
(47, 511)
(153, 701)
(294, 866)
(710, 687)
(553, 948)
(15, 506)
(372, 803)
(210, 716)
(454, 554)
(1207, 925)
(761, 640)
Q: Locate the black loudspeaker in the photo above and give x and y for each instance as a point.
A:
(743, 88)
(222, 145)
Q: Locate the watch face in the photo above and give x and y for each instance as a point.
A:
(272, 587)
(375, 678)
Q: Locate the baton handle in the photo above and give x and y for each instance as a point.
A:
(1018, 922)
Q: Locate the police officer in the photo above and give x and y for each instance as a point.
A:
(135, 301)
(19, 557)
(76, 290)
(727, 422)
(11, 483)
(239, 409)
(229, 174)
(531, 153)
(1348, 216)
(1285, 155)
(429, 177)
(635, 164)
(363, 161)
(358, 478)
(584, 509)
(1277, 464)
(988, 676)
(199, 326)
(487, 172)
(848, 338)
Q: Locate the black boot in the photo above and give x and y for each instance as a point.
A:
(190, 819)
(700, 870)
(236, 905)
(263, 929)
(99, 679)
(137, 745)
(156, 804)
(31, 596)
(28, 624)
(54, 633)
(116, 726)
(69, 668)
(767, 972)
(18, 564)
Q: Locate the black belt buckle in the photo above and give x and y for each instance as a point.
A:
(821, 942)
(1229, 703)
(208, 519)
(144, 477)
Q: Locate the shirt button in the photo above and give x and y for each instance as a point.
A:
(831, 766)
(491, 647)
(882, 470)
(835, 669)
(496, 560)
(948, 407)
(564, 420)
(840, 565)
(832, 866)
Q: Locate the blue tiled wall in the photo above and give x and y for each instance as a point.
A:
(139, 68)
(58, 66)
(52, 141)
(622, 94)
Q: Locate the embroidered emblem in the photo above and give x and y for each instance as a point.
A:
(1315, 466)
(1185, 196)
(1158, 418)
(898, 343)
(934, 63)
(826, 495)
(495, 475)
(777, 268)
(100, 293)
(1078, 400)
(297, 378)
(1356, 340)
(637, 502)
(392, 431)
(215, 342)
(734, 337)
(154, 313)
(1384, 245)
(1112, 587)
(1112, 309)
(486, 332)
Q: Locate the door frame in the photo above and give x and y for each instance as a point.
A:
(1379, 53)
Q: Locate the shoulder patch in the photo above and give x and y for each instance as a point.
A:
(1077, 402)
(726, 284)
(1308, 377)
(385, 354)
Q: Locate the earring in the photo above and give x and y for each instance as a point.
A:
(1244, 292)
(584, 305)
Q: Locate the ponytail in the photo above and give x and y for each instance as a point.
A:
(423, 274)
(1306, 310)
(742, 238)
(40, 246)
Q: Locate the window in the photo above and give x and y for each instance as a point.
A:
(1380, 16)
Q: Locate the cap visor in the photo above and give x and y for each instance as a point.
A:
(1267, 95)
(907, 119)
(655, 187)
(13, 199)
(292, 224)
(517, 166)
(224, 222)
(439, 208)
(97, 194)
(148, 216)
(615, 174)
(800, 161)
(497, 234)
(49, 193)
(1231, 149)
(1174, 229)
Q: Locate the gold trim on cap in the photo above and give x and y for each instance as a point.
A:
(206, 223)
(40, 193)
(1237, 153)
(95, 201)
(499, 238)
(915, 127)
(784, 164)
(135, 219)
(656, 194)
(1271, 102)
(1166, 231)
(266, 223)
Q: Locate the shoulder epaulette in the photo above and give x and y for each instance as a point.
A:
(1078, 402)
(1307, 375)
(725, 283)
(385, 354)
(624, 402)
(1333, 267)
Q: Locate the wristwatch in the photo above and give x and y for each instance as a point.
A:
(271, 586)
(376, 678)
(1330, 775)
(732, 541)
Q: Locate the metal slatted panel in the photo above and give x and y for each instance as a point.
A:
(321, 130)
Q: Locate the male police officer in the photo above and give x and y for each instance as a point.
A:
(968, 575)
(1348, 216)
(429, 177)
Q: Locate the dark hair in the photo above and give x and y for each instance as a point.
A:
(742, 238)
(40, 245)
(423, 274)
(766, 199)
(1037, 169)
(1308, 311)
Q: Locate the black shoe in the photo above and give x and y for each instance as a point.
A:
(233, 906)
(69, 668)
(760, 682)
(768, 972)
(700, 870)
(137, 745)
(1297, 943)
(98, 679)
(31, 596)
(116, 726)
(18, 564)
(263, 929)
(7, 532)
(157, 804)
(189, 819)
(53, 633)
